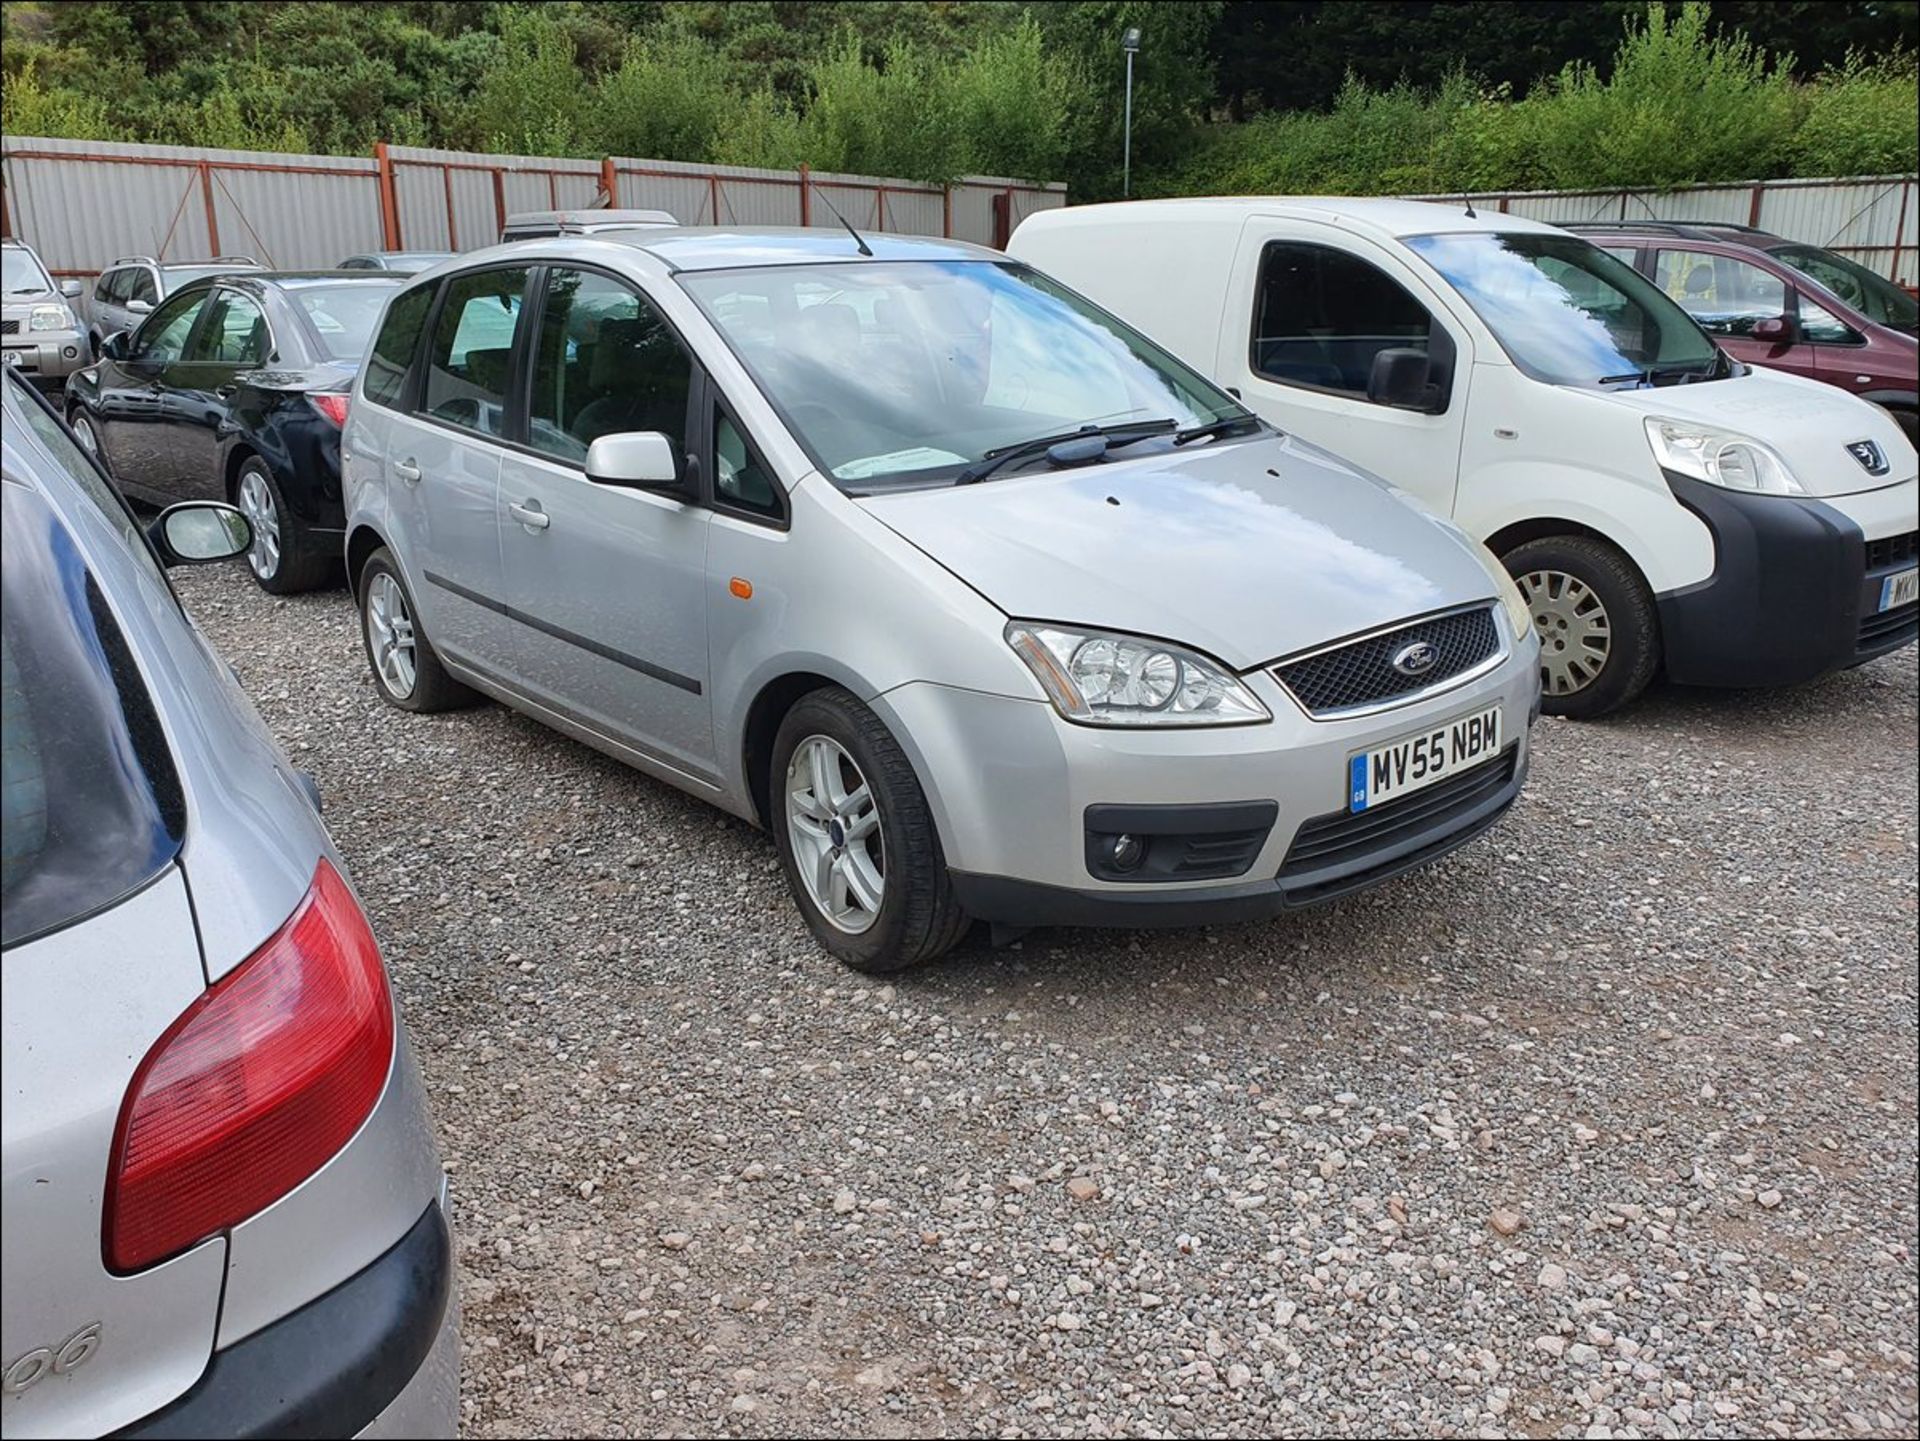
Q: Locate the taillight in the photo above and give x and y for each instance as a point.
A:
(256, 1086)
(332, 404)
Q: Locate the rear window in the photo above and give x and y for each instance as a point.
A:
(343, 316)
(90, 805)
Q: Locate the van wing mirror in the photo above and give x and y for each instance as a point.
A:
(1777, 330)
(1401, 378)
(636, 459)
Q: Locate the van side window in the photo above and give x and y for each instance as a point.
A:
(1726, 296)
(606, 363)
(395, 346)
(740, 480)
(1320, 316)
(472, 349)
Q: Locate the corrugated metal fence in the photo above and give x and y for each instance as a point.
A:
(1875, 219)
(83, 204)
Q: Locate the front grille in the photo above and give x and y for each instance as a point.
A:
(1890, 628)
(1893, 551)
(1342, 851)
(1362, 673)
(9, 327)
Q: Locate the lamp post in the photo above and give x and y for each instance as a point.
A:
(1129, 42)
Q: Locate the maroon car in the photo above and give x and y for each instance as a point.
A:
(1781, 303)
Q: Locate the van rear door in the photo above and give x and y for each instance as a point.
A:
(1310, 308)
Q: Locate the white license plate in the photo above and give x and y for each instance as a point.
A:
(1412, 763)
(1901, 589)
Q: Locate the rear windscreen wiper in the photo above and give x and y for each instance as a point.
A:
(1005, 455)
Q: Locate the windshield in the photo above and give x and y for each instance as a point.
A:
(343, 316)
(22, 274)
(1872, 294)
(1568, 313)
(906, 372)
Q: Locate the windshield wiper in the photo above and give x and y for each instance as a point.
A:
(1005, 455)
(1225, 425)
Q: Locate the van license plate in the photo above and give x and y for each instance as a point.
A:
(1412, 763)
(1901, 589)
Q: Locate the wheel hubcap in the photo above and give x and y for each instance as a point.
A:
(256, 502)
(1576, 635)
(833, 823)
(390, 635)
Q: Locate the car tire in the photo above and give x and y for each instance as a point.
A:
(285, 557)
(87, 436)
(829, 733)
(1599, 630)
(406, 670)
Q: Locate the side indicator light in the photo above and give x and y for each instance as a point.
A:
(741, 588)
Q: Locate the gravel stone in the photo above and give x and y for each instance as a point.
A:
(1581, 1016)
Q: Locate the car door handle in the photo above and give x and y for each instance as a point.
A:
(530, 514)
(407, 471)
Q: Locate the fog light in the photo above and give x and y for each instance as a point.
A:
(70, 352)
(1126, 852)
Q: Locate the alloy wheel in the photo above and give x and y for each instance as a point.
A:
(390, 635)
(833, 823)
(1576, 634)
(256, 503)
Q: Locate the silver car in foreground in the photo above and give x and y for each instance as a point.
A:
(40, 336)
(983, 604)
(224, 1209)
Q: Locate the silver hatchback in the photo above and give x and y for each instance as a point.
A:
(986, 606)
(225, 1212)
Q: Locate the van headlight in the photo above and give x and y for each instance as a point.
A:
(1720, 457)
(50, 317)
(1099, 678)
(1519, 613)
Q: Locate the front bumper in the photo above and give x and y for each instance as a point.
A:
(377, 1355)
(1020, 794)
(1795, 591)
(46, 355)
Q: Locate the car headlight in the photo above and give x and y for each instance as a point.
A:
(50, 317)
(1099, 678)
(1519, 613)
(1721, 457)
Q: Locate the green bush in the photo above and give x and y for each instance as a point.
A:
(1859, 120)
(667, 100)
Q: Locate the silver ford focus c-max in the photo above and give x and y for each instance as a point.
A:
(987, 607)
(224, 1213)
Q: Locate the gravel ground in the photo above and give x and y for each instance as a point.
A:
(1603, 1126)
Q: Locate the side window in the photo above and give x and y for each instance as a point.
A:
(1727, 296)
(472, 350)
(396, 345)
(162, 336)
(1823, 327)
(741, 480)
(606, 363)
(235, 333)
(140, 286)
(111, 286)
(1320, 316)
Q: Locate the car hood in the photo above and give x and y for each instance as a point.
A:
(1810, 423)
(1248, 551)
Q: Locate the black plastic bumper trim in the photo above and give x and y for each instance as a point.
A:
(334, 1365)
(1007, 901)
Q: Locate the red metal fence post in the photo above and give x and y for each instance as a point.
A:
(389, 201)
(806, 195)
(610, 182)
(213, 223)
(713, 195)
(499, 198)
(453, 229)
(1753, 209)
(946, 211)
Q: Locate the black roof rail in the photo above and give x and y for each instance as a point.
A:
(1693, 229)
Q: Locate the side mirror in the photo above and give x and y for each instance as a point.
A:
(139, 307)
(114, 347)
(197, 531)
(72, 289)
(1777, 330)
(1400, 378)
(638, 459)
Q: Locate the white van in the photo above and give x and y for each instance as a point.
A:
(1663, 506)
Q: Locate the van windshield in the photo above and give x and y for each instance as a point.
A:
(1568, 313)
(905, 373)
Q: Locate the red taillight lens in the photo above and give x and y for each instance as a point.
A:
(257, 1085)
(332, 404)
